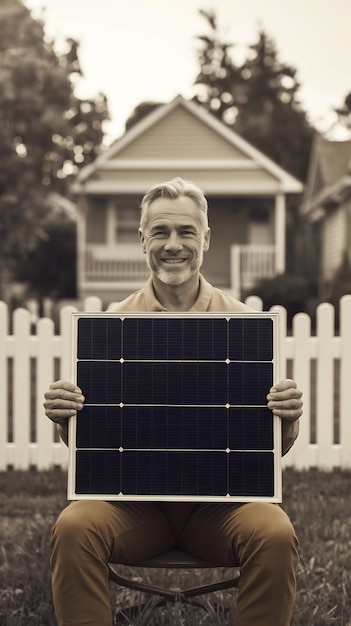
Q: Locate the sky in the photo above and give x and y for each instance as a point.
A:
(145, 50)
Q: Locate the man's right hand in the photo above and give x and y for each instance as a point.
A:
(62, 400)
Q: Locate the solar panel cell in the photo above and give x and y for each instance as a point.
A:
(251, 339)
(251, 473)
(100, 380)
(98, 338)
(249, 382)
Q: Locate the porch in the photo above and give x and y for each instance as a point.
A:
(123, 267)
(250, 263)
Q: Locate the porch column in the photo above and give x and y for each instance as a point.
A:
(110, 222)
(279, 234)
(81, 243)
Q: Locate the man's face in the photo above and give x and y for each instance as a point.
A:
(174, 236)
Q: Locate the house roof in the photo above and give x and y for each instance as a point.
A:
(329, 173)
(335, 157)
(183, 138)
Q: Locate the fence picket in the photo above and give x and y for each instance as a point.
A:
(42, 451)
(345, 380)
(28, 438)
(66, 329)
(4, 350)
(305, 454)
(92, 304)
(326, 451)
(21, 390)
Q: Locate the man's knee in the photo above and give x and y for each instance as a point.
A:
(80, 525)
(273, 536)
(276, 527)
(72, 520)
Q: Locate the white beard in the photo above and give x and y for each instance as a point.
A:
(171, 278)
(174, 278)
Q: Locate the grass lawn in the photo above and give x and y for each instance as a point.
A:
(318, 503)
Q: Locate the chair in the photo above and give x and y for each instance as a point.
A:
(174, 559)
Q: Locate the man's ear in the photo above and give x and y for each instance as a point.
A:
(207, 239)
(142, 240)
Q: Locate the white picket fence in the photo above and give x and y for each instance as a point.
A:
(320, 363)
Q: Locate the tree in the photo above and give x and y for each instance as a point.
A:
(222, 86)
(344, 112)
(46, 132)
(258, 99)
(141, 110)
(42, 267)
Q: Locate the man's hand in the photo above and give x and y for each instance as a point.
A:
(284, 399)
(62, 400)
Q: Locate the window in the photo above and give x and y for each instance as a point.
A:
(127, 223)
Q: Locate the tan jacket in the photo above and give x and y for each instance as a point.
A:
(209, 299)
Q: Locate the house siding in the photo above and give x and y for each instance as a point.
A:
(180, 135)
(228, 226)
(241, 180)
(333, 242)
(96, 216)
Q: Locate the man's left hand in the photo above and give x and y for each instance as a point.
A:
(284, 399)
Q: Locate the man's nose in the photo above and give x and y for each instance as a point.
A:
(173, 243)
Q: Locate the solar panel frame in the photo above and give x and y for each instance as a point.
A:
(156, 471)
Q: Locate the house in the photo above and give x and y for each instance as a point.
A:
(326, 207)
(246, 191)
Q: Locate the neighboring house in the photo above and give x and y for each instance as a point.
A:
(326, 207)
(246, 192)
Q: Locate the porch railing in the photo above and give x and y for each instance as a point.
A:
(120, 263)
(127, 263)
(249, 263)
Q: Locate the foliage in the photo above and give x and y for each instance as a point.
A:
(257, 98)
(344, 112)
(222, 85)
(49, 268)
(291, 291)
(318, 503)
(341, 282)
(141, 110)
(46, 132)
(339, 286)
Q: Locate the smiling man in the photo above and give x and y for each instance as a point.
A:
(174, 234)
(258, 536)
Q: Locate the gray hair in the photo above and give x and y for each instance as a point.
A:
(174, 189)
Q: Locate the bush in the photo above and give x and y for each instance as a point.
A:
(291, 291)
(341, 283)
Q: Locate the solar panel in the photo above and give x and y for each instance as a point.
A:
(175, 407)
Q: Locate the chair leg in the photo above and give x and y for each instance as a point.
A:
(171, 594)
(144, 613)
(160, 597)
(211, 587)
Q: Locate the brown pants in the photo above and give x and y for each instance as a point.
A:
(257, 536)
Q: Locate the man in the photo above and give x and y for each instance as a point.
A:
(259, 537)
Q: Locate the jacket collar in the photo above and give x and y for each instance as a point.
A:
(202, 302)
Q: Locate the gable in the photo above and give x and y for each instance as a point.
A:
(328, 173)
(335, 158)
(180, 135)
